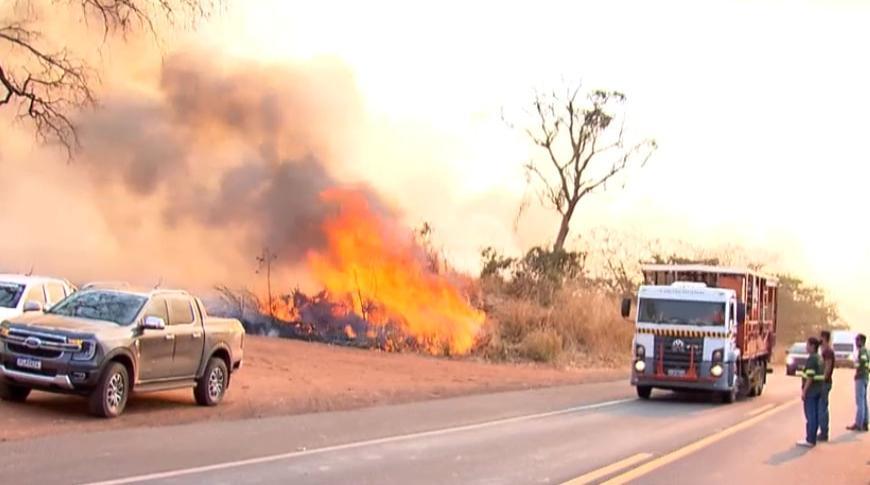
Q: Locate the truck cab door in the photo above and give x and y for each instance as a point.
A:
(186, 325)
(156, 346)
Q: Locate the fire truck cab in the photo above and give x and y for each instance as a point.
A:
(703, 328)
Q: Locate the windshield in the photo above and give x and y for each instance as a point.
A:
(10, 293)
(798, 349)
(681, 312)
(111, 306)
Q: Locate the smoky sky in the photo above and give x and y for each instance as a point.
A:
(231, 147)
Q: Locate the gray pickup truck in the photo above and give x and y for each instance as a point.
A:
(106, 343)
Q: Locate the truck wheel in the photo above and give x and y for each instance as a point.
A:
(762, 379)
(754, 385)
(109, 398)
(729, 397)
(210, 388)
(12, 393)
(644, 392)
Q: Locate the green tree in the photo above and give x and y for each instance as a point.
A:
(804, 310)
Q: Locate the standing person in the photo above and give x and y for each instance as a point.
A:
(862, 369)
(811, 392)
(824, 404)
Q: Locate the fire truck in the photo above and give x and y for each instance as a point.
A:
(703, 328)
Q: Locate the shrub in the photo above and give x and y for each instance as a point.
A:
(541, 345)
(581, 326)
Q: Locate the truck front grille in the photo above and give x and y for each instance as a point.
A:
(38, 352)
(679, 352)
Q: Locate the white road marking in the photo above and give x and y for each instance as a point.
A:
(357, 444)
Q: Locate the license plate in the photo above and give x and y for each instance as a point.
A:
(676, 372)
(29, 364)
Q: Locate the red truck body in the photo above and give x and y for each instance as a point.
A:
(756, 334)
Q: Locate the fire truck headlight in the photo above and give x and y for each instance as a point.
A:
(716, 370)
(789, 360)
(640, 366)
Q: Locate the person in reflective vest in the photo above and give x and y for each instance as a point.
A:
(828, 363)
(811, 392)
(862, 370)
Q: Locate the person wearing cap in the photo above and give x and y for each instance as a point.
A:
(862, 369)
(811, 392)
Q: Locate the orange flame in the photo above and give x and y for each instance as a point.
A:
(369, 260)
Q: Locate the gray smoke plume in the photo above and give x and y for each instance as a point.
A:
(245, 148)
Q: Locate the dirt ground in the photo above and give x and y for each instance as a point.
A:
(292, 377)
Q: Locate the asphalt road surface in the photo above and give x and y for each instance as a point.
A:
(596, 433)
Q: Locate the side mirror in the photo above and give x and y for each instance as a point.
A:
(626, 307)
(153, 323)
(741, 313)
(32, 306)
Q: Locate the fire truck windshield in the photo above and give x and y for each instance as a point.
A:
(681, 312)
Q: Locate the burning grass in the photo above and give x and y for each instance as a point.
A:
(384, 289)
(581, 328)
(382, 274)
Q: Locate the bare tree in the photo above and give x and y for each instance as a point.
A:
(583, 141)
(46, 84)
(264, 263)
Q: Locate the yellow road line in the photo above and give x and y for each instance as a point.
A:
(760, 410)
(609, 469)
(693, 447)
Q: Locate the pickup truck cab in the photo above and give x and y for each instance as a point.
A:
(106, 343)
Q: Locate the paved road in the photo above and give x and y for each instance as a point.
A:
(583, 434)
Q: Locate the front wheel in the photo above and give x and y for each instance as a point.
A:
(211, 387)
(109, 398)
(729, 397)
(644, 392)
(762, 379)
(12, 393)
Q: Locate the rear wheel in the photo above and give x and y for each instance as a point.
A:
(644, 392)
(109, 398)
(13, 393)
(211, 387)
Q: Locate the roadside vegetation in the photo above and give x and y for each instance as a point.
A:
(557, 303)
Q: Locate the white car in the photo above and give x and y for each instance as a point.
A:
(845, 352)
(19, 293)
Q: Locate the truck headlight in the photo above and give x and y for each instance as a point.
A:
(87, 352)
(640, 366)
(4, 330)
(718, 355)
(640, 352)
(789, 360)
(716, 370)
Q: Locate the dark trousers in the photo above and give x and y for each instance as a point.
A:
(824, 410)
(812, 406)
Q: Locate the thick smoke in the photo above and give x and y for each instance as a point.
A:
(242, 149)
